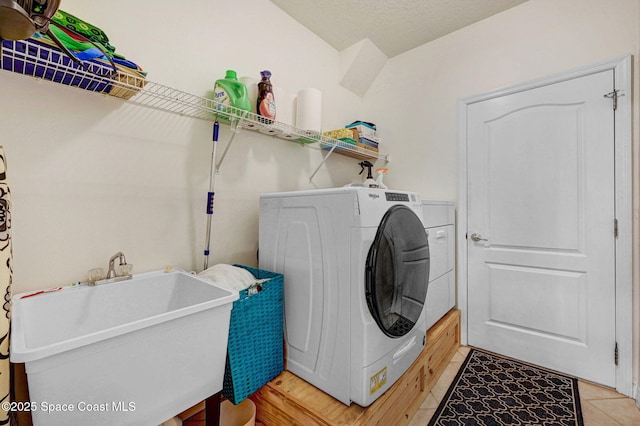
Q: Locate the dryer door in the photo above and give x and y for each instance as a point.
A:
(397, 271)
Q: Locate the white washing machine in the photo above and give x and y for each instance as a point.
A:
(356, 271)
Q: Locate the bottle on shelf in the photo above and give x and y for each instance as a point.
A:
(229, 92)
(266, 104)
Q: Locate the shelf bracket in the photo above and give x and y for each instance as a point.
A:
(235, 129)
(324, 159)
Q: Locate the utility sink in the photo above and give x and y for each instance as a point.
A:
(134, 352)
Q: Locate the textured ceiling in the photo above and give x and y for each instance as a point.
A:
(394, 26)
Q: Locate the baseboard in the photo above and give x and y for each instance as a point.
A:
(636, 394)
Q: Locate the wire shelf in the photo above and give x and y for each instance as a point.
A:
(40, 60)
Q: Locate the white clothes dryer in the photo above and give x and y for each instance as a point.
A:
(439, 221)
(356, 269)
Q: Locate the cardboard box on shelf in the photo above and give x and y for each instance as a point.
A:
(357, 135)
(365, 130)
(339, 133)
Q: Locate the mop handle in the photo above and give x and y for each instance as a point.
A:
(211, 193)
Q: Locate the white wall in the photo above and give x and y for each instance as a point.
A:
(414, 100)
(91, 175)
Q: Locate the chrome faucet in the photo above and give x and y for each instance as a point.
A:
(111, 273)
(95, 275)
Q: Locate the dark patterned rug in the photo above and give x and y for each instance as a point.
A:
(492, 390)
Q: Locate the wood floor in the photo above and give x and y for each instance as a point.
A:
(600, 406)
(289, 400)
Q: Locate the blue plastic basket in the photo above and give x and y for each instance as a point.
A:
(255, 346)
(40, 60)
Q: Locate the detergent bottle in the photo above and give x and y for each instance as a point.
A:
(229, 92)
(381, 172)
(368, 182)
(266, 104)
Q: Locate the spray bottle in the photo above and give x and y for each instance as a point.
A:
(381, 172)
(368, 182)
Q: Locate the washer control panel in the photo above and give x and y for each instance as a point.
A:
(394, 196)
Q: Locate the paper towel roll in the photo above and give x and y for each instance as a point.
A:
(309, 110)
(284, 105)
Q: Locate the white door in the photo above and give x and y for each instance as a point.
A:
(541, 245)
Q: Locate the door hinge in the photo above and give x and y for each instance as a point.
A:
(614, 97)
(615, 354)
(615, 228)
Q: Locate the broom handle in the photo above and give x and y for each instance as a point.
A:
(211, 193)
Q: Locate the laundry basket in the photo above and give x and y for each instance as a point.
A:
(255, 345)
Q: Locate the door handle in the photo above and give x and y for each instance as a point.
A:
(477, 237)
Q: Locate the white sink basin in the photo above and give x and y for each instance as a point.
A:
(134, 352)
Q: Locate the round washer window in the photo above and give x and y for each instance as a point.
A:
(397, 271)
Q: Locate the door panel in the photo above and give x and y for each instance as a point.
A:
(540, 189)
(558, 297)
(519, 194)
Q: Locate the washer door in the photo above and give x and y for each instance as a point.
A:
(397, 271)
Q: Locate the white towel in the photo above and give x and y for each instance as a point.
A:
(230, 277)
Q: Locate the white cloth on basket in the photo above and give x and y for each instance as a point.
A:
(230, 277)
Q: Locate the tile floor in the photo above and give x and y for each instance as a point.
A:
(600, 406)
